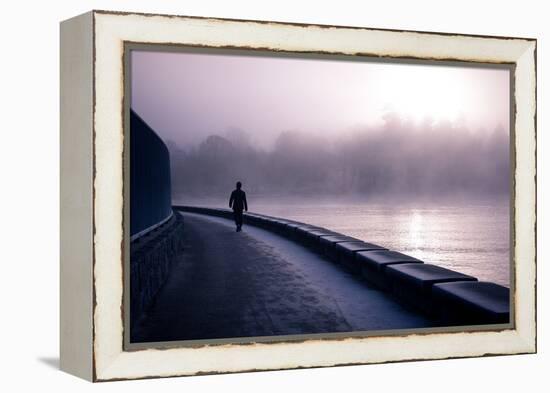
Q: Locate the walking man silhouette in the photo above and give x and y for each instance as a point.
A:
(237, 201)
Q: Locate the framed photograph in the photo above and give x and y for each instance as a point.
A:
(245, 195)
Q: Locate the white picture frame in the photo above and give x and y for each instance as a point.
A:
(92, 194)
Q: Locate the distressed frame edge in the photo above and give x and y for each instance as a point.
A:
(304, 24)
(76, 207)
(525, 212)
(528, 339)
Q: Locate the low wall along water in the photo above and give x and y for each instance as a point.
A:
(448, 296)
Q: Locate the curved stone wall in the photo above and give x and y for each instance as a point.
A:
(450, 297)
(152, 256)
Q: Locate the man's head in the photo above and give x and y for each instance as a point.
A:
(239, 185)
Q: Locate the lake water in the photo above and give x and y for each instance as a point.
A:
(472, 238)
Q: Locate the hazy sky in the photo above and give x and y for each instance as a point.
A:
(185, 97)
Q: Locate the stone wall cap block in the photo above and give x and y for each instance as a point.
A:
(357, 246)
(424, 274)
(379, 259)
(486, 295)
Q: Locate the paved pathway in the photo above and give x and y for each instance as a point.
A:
(256, 283)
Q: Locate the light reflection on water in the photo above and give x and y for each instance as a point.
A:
(469, 238)
(472, 239)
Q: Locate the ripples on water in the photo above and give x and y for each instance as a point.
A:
(469, 238)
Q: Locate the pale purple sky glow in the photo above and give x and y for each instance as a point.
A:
(185, 97)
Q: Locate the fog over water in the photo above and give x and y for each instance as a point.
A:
(397, 160)
(414, 157)
(310, 127)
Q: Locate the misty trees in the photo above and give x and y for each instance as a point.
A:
(398, 158)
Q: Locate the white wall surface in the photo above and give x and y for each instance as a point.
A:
(29, 151)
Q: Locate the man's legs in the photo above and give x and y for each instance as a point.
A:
(238, 219)
(235, 214)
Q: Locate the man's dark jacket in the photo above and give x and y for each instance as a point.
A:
(237, 201)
